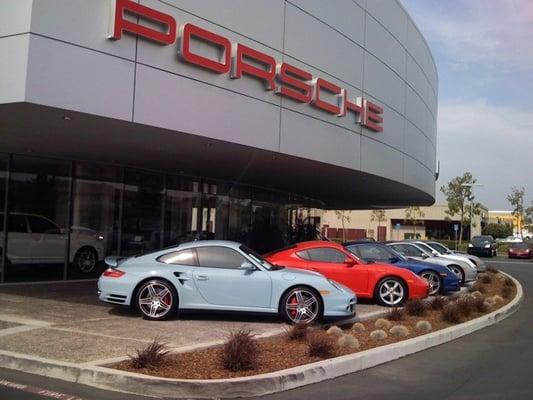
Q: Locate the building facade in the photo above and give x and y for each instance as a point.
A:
(396, 224)
(132, 125)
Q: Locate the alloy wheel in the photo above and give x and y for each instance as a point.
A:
(391, 292)
(434, 281)
(86, 260)
(155, 300)
(302, 306)
(457, 271)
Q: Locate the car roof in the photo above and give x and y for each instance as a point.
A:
(317, 243)
(350, 243)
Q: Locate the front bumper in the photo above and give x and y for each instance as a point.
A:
(479, 251)
(451, 283)
(418, 289)
(342, 304)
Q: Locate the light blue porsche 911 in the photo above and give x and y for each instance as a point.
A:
(221, 275)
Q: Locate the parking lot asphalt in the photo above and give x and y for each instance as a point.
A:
(66, 322)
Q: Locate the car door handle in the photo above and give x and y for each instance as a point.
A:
(202, 277)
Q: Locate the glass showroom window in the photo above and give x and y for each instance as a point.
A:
(3, 182)
(142, 213)
(38, 219)
(181, 210)
(95, 223)
(240, 216)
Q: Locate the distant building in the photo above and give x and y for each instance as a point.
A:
(500, 217)
(435, 224)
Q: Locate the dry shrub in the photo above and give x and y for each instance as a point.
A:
(424, 326)
(378, 334)
(240, 351)
(508, 282)
(297, 332)
(478, 305)
(416, 307)
(358, 327)
(476, 294)
(151, 356)
(486, 279)
(507, 291)
(396, 314)
(465, 306)
(477, 287)
(335, 331)
(348, 342)
(399, 330)
(492, 270)
(321, 344)
(451, 313)
(497, 299)
(382, 323)
(438, 302)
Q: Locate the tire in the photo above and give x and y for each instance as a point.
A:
(301, 305)
(435, 281)
(86, 259)
(385, 297)
(156, 299)
(457, 270)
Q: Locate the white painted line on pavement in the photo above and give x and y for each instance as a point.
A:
(17, 329)
(37, 390)
(24, 321)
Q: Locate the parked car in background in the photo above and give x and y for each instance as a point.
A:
(221, 275)
(510, 239)
(440, 278)
(465, 270)
(520, 250)
(443, 250)
(483, 245)
(35, 239)
(386, 284)
(450, 256)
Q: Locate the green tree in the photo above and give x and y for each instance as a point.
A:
(516, 198)
(498, 230)
(528, 222)
(413, 215)
(345, 218)
(378, 215)
(459, 194)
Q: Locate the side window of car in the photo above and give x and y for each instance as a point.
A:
(17, 223)
(219, 257)
(41, 225)
(370, 252)
(303, 254)
(405, 250)
(182, 257)
(326, 255)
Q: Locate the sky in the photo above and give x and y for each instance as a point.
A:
(484, 55)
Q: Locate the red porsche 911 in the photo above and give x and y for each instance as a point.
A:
(386, 284)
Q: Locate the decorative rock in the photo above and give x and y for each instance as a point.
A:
(382, 324)
(424, 326)
(399, 330)
(348, 342)
(489, 302)
(500, 277)
(476, 294)
(335, 331)
(358, 327)
(378, 334)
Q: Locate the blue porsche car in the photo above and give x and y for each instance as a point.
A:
(440, 278)
(220, 275)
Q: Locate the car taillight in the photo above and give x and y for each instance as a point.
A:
(113, 273)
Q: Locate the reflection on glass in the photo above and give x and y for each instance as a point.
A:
(142, 213)
(95, 219)
(37, 219)
(3, 175)
(181, 210)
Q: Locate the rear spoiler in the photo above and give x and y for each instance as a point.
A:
(114, 261)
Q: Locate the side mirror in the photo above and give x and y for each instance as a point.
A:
(424, 256)
(394, 260)
(248, 266)
(349, 262)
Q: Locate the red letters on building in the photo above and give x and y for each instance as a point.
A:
(238, 59)
(240, 65)
(123, 25)
(293, 82)
(189, 31)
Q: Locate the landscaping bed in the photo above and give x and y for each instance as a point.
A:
(244, 356)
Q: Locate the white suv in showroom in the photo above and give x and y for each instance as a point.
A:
(34, 239)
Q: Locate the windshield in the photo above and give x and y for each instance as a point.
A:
(426, 248)
(439, 247)
(258, 258)
(520, 245)
(480, 240)
(374, 252)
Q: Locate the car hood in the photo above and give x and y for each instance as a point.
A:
(292, 273)
(416, 263)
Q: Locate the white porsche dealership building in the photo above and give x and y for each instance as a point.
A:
(127, 126)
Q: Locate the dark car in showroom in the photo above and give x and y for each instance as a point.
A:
(520, 250)
(482, 245)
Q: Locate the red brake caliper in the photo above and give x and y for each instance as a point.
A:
(293, 301)
(166, 299)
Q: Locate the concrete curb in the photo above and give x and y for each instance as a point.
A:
(106, 378)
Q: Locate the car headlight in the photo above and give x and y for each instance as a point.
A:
(336, 285)
(487, 246)
(470, 245)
